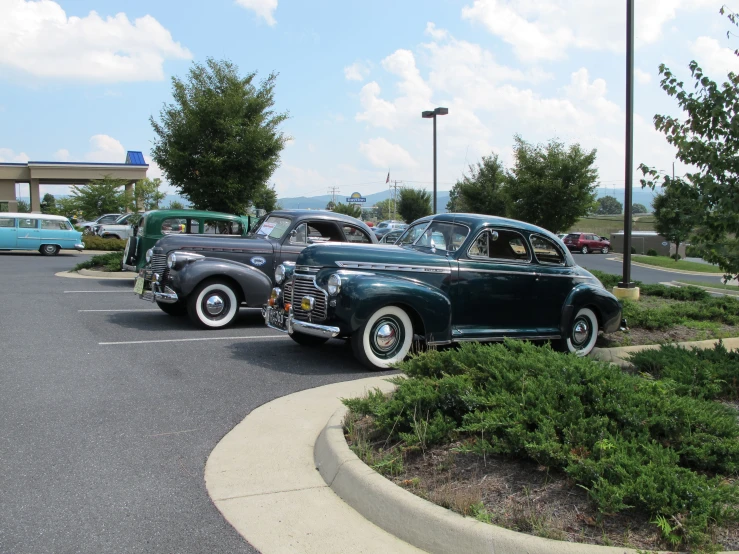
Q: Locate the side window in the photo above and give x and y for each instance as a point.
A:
(220, 227)
(356, 235)
(28, 223)
(479, 248)
(500, 244)
(173, 226)
(53, 224)
(545, 250)
(193, 226)
(299, 235)
(7, 222)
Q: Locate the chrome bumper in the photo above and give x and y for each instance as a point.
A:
(128, 267)
(295, 325)
(79, 247)
(168, 296)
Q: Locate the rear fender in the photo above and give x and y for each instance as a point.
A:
(254, 284)
(606, 307)
(363, 294)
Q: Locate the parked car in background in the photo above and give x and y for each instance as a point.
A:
(160, 223)
(586, 242)
(387, 226)
(209, 278)
(88, 227)
(450, 278)
(391, 236)
(121, 228)
(46, 233)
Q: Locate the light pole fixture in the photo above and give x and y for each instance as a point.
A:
(431, 114)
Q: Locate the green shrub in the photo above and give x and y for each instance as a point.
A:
(93, 242)
(107, 262)
(689, 293)
(676, 257)
(630, 442)
(709, 373)
(609, 280)
(652, 252)
(633, 250)
(692, 251)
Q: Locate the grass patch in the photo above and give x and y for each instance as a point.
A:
(719, 286)
(102, 262)
(634, 444)
(669, 263)
(93, 242)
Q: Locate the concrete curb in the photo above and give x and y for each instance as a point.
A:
(417, 521)
(708, 288)
(89, 274)
(659, 268)
(619, 355)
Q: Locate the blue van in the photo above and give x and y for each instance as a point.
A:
(46, 233)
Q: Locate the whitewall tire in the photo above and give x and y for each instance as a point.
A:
(213, 305)
(582, 333)
(386, 338)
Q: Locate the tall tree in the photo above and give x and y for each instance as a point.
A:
(414, 204)
(99, 197)
(23, 207)
(219, 142)
(265, 198)
(706, 137)
(146, 195)
(639, 209)
(348, 209)
(48, 204)
(175, 205)
(608, 205)
(385, 209)
(550, 185)
(482, 191)
(677, 211)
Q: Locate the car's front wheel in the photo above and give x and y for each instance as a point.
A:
(176, 309)
(49, 249)
(584, 250)
(582, 333)
(385, 338)
(605, 250)
(213, 305)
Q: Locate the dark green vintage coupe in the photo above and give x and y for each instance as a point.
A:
(449, 278)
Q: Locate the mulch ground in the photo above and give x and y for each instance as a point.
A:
(678, 333)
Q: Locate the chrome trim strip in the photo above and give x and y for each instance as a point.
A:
(307, 268)
(502, 338)
(501, 271)
(393, 267)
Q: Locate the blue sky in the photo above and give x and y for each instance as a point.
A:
(80, 79)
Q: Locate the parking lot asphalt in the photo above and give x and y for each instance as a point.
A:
(110, 409)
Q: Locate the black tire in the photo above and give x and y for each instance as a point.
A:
(129, 254)
(307, 340)
(365, 342)
(177, 309)
(198, 310)
(49, 249)
(584, 250)
(604, 250)
(581, 341)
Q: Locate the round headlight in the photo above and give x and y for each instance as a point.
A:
(280, 274)
(149, 253)
(334, 284)
(171, 260)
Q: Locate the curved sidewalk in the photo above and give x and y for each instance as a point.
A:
(263, 479)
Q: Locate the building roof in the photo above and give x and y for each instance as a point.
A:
(134, 157)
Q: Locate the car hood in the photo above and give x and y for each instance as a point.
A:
(368, 256)
(189, 242)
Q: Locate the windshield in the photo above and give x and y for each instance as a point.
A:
(382, 225)
(272, 226)
(441, 236)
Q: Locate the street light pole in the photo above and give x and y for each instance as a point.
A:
(431, 114)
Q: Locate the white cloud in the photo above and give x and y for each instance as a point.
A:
(263, 8)
(642, 77)
(547, 29)
(358, 71)
(377, 112)
(61, 155)
(291, 180)
(105, 148)
(38, 38)
(715, 60)
(382, 153)
(9, 156)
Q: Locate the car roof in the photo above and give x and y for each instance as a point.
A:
(35, 216)
(478, 220)
(317, 214)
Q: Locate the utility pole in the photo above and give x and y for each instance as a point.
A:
(394, 188)
(332, 191)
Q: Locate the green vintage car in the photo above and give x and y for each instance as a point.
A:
(161, 223)
(449, 278)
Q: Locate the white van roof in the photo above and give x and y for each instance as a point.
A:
(34, 216)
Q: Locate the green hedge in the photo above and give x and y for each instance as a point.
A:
(632, 443)
(106, 262)
(93, 242)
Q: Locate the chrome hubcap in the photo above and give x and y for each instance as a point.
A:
(385, 337)
(580, 332)
(214, 305)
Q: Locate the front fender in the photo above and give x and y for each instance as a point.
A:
(606, 306)
(255, 285)
(363, 294)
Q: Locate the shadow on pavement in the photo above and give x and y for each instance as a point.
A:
(159, 321)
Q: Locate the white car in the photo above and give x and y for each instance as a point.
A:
(88, 227)
(122, 228)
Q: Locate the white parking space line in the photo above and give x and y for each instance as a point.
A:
(133, 310)
(105, 291)
(195, 339)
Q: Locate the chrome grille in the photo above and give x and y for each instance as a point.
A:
(304, 285)
(158, 263)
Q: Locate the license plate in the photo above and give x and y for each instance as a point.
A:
(277, 318)
(138, 288)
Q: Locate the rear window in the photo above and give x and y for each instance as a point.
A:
(573, 236)
(220, 227)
